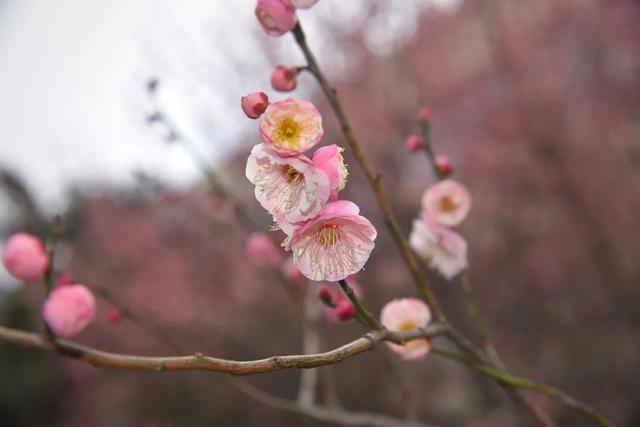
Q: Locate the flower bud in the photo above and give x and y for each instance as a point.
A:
(25, 257)
(64, 279)
(114, 315)
(254, 104)
(444, 166)
(344, 311)
(264, 251)
(329, 159)
(283, 78)
(276, 16)
(424, 115)
(414, 143)
(325, 295)
(69, 309)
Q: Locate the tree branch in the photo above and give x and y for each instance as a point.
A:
(200, 362)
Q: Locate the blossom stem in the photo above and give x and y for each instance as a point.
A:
(366, 317)
(526, 383)
(372, 176)
(55, 231)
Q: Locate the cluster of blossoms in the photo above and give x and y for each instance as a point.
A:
(69, 307)
(445, 204)
(328, 238)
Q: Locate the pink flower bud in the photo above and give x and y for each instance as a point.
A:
(254, 104)
(344, 310)
(329, 159)
(283, 78)
(414, 143)
(325, 295)
(444, 166)
(424, 114)
(69, 309)
(64, 279)
(276, 16)
(25, 257)
(303, 4)
(262, 250)
(114, 315)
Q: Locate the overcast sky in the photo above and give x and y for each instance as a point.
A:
(72, 72)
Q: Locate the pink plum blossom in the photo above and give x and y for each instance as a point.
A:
(291, 189)
(69, 309)
(283, 78)
(276, 16)
(447, 202)
(444, 249)
(405, 315)
(303, 4)
(333, 245)
(260, 248)
(414, 143)
(329, 159)
(254, 104)
(25, 257)
(290, 127)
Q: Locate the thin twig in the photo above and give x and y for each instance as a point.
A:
(526, 383)
(372, 177)
(392, 225)
(364, 314)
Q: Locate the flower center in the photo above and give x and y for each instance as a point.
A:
(290, 174)
(447, 205)
(288, 132)
(328, 235)
(406, 327)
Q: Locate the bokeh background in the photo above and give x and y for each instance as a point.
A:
(537, 103)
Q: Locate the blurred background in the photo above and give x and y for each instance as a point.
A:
(537, 103)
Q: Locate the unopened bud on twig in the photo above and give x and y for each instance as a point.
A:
(254, 104)
(283, 78)
(414, 143)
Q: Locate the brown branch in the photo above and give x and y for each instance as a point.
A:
(200, 362)
(364, 315)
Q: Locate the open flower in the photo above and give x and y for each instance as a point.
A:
(444, 249)
(25, 257)
(448, 202)
(329, 159)
(333, 245)
(69, 309)
(276, 16)
(290, 127)
(289, 188)
(405, 315)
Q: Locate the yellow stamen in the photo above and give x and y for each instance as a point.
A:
(287, 133)
(328, 235)
(447, 205)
